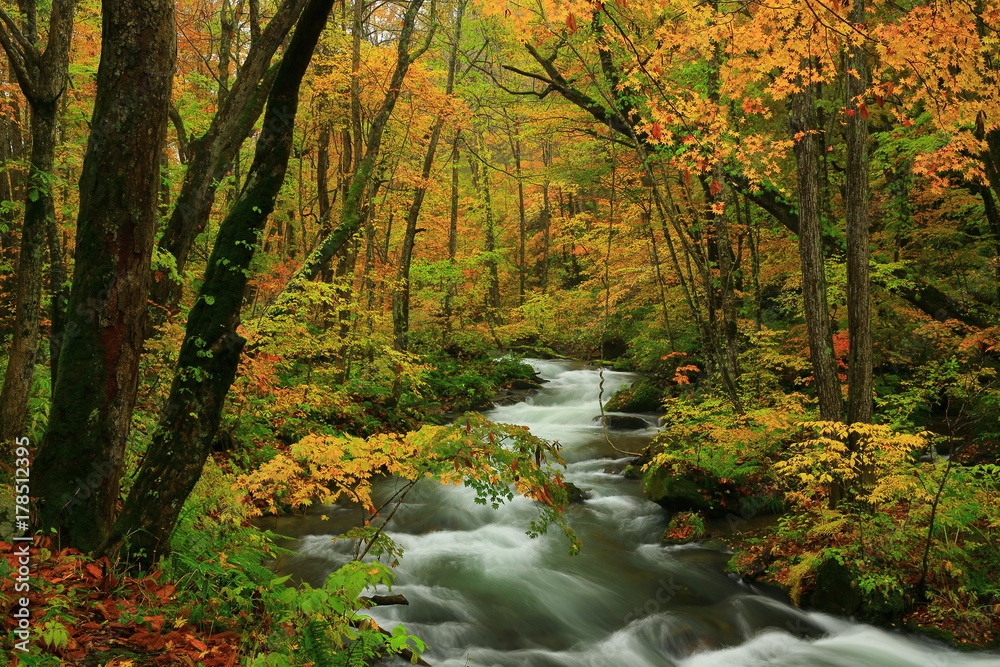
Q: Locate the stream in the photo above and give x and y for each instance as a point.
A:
(484, 594)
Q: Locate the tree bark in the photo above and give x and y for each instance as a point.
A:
(211, 154)
(803, 125)
(79, 463)
(859, 315)
(42, 78)
(211, 348)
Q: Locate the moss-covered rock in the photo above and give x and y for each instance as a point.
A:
(835, 589)
(622, 422)
(684, 528)
(575, 494)
(642, 396)
(681, 494)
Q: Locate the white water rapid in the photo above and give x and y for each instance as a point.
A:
(483, 594)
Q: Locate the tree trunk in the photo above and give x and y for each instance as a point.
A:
(211, 349)
(449, 294)
(79, 463)
(860, 358)
(42, 78)
(212, 153)
(354, 210)
(802, 121)
(481, 181)
(521, 224)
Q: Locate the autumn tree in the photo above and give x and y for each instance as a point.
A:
(95, 391)
(212, 346)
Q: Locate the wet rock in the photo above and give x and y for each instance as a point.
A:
(623, 422)
(836, 591)
(575, 493)
(684, 528)
(526, 383)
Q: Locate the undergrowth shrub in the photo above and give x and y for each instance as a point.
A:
(918, 538)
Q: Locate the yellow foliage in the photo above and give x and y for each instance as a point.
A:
(797, 574)
(870, 459)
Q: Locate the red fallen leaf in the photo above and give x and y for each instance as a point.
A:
(166, 592)
(91, 626)
(155, 622)
(200, 645)
(223, 637)
(147, 640)
(94, 570)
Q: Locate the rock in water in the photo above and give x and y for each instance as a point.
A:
(623, 422)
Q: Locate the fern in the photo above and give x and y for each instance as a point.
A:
(313, 648)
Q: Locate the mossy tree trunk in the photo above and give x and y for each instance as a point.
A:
(211, 348)
(42, 78)
(804, 128)
(79, 463)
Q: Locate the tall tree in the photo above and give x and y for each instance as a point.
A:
(211, 155)
(805, 134)
(354, 210)
(211, 348)
(401, 297)
(95, 392)
(42, 78)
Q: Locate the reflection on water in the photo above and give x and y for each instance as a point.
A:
(484, 594)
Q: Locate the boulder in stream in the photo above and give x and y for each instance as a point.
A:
(575, 493)
(643, 396)
(684, 528)
(623, 422)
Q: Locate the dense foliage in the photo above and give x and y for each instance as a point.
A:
(785, 215)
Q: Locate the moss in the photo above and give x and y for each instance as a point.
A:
(643, 396)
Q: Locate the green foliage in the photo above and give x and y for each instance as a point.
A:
(728, 455)
(220, 564)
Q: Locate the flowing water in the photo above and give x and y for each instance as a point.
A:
(484, 594)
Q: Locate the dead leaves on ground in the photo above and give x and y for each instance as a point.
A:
(107, 616)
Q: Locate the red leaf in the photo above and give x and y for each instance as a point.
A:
(200, 645)
(656, 131)
(94, 570)
(571, 22)
(863, 110)
(715, 188)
